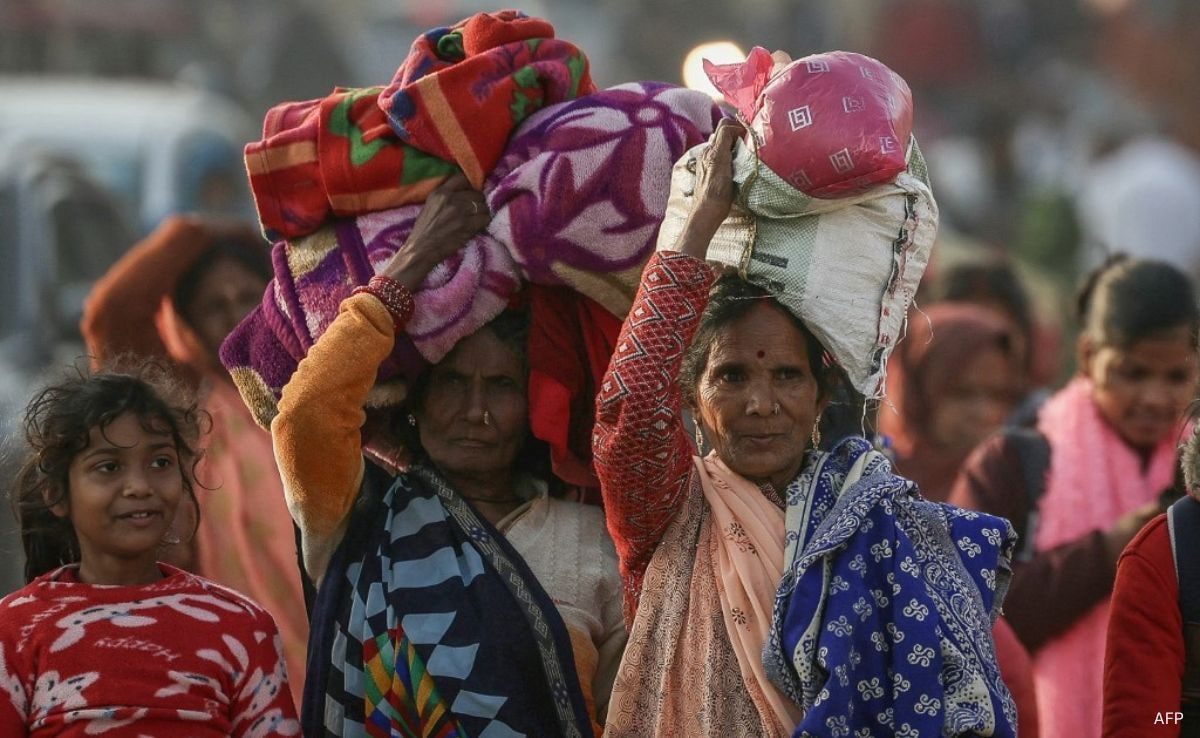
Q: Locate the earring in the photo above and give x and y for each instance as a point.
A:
(816, 434)
(699, 440)
(412, 420)
(487, 418)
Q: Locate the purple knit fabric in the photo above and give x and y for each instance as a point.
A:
(577, 199)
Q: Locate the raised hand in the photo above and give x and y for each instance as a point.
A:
(714, 189)
(452, 214)
(1123, 531)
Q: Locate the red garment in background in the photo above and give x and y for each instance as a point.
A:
(570, 341)
(931, 42)
(1144, 658)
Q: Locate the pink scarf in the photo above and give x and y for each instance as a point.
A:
(746, 534)
(245, 539)
(1094, 479)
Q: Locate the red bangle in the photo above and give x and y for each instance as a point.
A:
(395, 297)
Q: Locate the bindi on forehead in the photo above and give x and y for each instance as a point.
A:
(761, 354)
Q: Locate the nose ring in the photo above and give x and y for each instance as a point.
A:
(487, 418)
(775, 409)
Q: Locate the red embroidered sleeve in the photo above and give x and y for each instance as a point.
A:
(642, 453)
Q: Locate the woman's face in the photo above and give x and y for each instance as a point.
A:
(226, 293)
(1143, 391)
(474, 417)
(977, 402)
(757, 398)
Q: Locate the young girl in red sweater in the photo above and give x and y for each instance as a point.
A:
(105, 639)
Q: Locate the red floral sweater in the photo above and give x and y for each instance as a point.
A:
(179, 657)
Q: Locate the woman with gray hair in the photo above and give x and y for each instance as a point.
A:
(455, 596)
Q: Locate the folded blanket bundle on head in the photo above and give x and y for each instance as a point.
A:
(463, 90)
(577, 186)
(452, 105)
(577, 181)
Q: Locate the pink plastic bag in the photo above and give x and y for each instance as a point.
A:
(831, 124)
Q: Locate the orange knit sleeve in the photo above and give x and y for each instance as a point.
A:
(317, 433)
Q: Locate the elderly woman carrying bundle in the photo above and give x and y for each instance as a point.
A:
(456, 597)
(773, 589)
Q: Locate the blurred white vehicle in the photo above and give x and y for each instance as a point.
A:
(161, 148)
(87, 167)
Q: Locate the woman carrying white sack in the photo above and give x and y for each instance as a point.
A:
(774, 589)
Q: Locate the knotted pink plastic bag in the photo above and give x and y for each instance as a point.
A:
(831, 125)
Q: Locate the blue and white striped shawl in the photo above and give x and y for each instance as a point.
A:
(425, 602)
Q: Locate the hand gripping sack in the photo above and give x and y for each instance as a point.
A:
(847, 267)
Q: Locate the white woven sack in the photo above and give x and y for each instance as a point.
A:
(847, 267)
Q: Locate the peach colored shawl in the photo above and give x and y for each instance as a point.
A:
(747, 534)
(1094, 479)
(245, 540)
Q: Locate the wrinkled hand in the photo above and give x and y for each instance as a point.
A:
(1123, 531)
(714, 175)
(714, 189)
(452, 214)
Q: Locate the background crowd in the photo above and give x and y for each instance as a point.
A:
(1055, 135)
(1039, 121)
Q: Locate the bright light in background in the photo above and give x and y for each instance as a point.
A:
(1108, 7)
(717, 52)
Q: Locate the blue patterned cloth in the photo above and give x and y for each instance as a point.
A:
(882, 621)
(429, 623)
